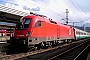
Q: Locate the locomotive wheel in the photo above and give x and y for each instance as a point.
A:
(50, 44)
(37, 47)
(42, 45)
(70, 41)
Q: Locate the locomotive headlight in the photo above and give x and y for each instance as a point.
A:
(28, 33)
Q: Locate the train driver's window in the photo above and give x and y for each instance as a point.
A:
(37, 24)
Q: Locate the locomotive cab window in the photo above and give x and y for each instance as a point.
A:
(24, 23)
(37, 24)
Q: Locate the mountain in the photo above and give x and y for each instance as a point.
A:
(87, 25)
(84, 28)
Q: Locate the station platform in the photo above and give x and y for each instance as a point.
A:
(4, 38)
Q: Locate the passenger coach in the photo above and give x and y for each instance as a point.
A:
(79, 34)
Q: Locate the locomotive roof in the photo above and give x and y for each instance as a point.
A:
(46, 19)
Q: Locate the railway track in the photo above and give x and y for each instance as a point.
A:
(41, 52)
(4, 56)
(79, 52)
(52, 53)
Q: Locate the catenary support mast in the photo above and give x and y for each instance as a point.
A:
(67, 16)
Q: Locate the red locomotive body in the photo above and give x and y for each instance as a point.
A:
(38, 30)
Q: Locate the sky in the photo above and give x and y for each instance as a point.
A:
(79, 10)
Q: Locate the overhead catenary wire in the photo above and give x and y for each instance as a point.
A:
(80, 7)
(55, 7)
(59, 4)
(62, 6)
(79, 11)
(48, 9)
(43, 7)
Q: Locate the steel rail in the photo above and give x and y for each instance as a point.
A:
(66, 51)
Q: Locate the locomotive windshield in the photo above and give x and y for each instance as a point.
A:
(24, 23)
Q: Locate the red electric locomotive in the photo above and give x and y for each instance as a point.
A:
(37, 30)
